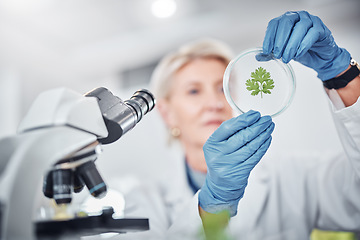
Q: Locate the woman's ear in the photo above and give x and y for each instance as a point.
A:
(165, 112)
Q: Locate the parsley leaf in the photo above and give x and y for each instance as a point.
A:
(260, 82)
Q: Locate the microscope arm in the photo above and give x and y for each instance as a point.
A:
(59, 124)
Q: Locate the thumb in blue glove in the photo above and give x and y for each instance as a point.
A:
(305, 38)
(231, 152)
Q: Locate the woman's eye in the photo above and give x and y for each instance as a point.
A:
(193, 91)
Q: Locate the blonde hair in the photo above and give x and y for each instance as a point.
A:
(161, 79)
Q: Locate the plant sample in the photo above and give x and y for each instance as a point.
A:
(260, 82)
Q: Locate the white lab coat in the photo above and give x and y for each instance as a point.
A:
(285, 198)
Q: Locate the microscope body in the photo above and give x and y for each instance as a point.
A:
(57, 126)
(60, 126)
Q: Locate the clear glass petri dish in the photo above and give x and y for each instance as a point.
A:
(255, 81)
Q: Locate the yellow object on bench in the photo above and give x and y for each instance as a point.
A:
(317, 234)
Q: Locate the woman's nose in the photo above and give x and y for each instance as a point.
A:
(219, 105)
(215, 102)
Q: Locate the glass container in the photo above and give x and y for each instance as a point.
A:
(259, 82)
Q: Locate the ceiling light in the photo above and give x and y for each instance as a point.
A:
(163, 8)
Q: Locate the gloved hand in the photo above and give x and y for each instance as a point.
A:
(231, 152)
(305, 38)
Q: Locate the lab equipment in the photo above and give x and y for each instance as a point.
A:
(257, 81)
(231, 152)
(75, 228)
(119, 117)
(309, 42)
(60, 138)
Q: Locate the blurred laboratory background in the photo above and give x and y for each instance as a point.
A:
(80, 45)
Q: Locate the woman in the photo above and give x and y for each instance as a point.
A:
(192, 103)
(188, 86)
(285, 198)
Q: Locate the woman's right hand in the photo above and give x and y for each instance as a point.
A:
(231, 152)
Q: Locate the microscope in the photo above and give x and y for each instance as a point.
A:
(58, 141)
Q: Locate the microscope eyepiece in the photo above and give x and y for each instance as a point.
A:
(142, 101)
(121, 116)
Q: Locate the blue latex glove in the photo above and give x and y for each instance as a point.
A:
(305, 38)
(231, 152)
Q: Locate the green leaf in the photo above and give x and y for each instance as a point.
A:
(260, 82)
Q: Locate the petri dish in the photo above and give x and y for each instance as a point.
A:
(255, 81)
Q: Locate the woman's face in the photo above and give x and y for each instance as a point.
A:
(197, 105)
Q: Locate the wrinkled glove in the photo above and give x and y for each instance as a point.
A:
(231, 152)
(305, 38)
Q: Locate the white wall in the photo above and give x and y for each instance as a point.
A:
(10, 99)
(306, 126)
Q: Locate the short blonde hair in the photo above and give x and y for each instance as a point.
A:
(161, 79)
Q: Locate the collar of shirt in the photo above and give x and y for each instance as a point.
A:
(195, 178)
